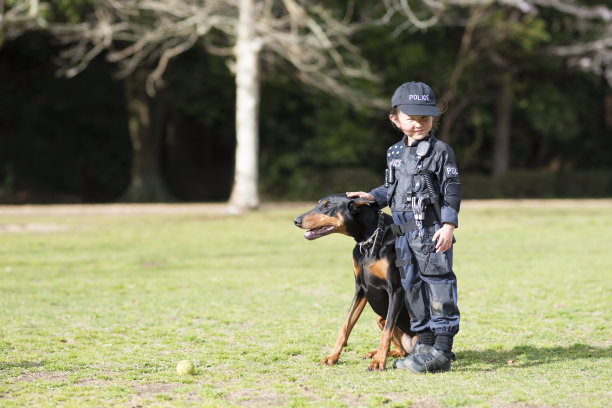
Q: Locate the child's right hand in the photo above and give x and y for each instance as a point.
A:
(360, 194)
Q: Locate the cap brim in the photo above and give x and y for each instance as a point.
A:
(422, 110)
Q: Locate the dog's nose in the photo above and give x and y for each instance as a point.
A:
(298, 221)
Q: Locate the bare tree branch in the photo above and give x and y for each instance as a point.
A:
(132, 32)
(590, 54)
(19, 16)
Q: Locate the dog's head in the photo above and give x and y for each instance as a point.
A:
(335, 213)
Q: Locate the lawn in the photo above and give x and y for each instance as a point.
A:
(97, 308)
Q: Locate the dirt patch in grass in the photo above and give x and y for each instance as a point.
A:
(500, 404)
(56, 376)
(255, 398)
(29, 228)
(425, 402)
(152, 389)
(114, 209)
(351, 400)
(261, 396)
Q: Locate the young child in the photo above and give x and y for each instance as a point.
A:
(422, 189)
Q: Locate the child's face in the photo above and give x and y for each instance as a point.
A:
(415, 127)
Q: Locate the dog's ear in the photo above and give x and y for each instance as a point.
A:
(355, 203)
(361, 201)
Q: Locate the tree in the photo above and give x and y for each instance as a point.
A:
(247, 48)
(19, 16)
(311, 39)
(502, 33)
(146, 116)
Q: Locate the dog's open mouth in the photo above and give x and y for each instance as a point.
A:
(318, 232)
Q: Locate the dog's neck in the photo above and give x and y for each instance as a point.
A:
(368, 222)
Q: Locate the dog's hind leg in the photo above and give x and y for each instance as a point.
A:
(406, 341)
(359, 302)
(399, 340)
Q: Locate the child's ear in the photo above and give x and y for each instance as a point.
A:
(394, 121)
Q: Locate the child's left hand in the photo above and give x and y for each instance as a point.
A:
(445, 237)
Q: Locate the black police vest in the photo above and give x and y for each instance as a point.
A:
(409, 168)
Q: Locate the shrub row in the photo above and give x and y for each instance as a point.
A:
(514, 184)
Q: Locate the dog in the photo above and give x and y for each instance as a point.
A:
(377, 279)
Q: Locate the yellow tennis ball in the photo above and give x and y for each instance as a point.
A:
(185, 367)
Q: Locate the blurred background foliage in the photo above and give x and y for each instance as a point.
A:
(67, 140)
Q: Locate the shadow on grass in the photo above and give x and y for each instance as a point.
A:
(527, 356)
(4, 365)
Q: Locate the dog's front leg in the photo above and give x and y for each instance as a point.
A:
(379, 361)
(359, 302)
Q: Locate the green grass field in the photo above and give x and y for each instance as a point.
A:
(97, 308)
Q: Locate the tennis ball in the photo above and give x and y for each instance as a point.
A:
(185, 367)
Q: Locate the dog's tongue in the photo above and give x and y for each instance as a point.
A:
(310, 234)
(318, 232)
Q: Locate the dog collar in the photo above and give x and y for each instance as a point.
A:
(372, 244)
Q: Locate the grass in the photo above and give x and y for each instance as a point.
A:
(97, 310)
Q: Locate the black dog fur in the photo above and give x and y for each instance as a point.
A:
(377, 279)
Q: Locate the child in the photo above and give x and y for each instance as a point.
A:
(422, 189)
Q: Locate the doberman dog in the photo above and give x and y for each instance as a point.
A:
(377, 279)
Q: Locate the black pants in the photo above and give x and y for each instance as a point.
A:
(429, 281)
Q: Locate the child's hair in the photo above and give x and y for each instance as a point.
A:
(436, 119)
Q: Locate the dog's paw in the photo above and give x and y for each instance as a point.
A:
(370, 354)
(331, 360)
(396, 353)
(377, 365)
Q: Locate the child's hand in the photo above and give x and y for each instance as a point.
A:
(360, 194)
(445, 237)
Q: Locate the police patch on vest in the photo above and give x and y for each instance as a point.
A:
(396, 162)
(451, 171)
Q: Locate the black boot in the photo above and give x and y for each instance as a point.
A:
(419, 349)
(434, 361)
(444, 343)
(423, 346)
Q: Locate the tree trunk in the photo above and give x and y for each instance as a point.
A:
(454, 108)
(608, 111)
(145, 121)
(501, 148)
(244, 191)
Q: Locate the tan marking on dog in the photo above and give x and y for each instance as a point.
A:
(355, 310)
(379, 360)
(379, 268)
(340, 227)
(356, 268)
(316, 220)
(399, 340)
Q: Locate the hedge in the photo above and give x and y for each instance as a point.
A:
(514, 184)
